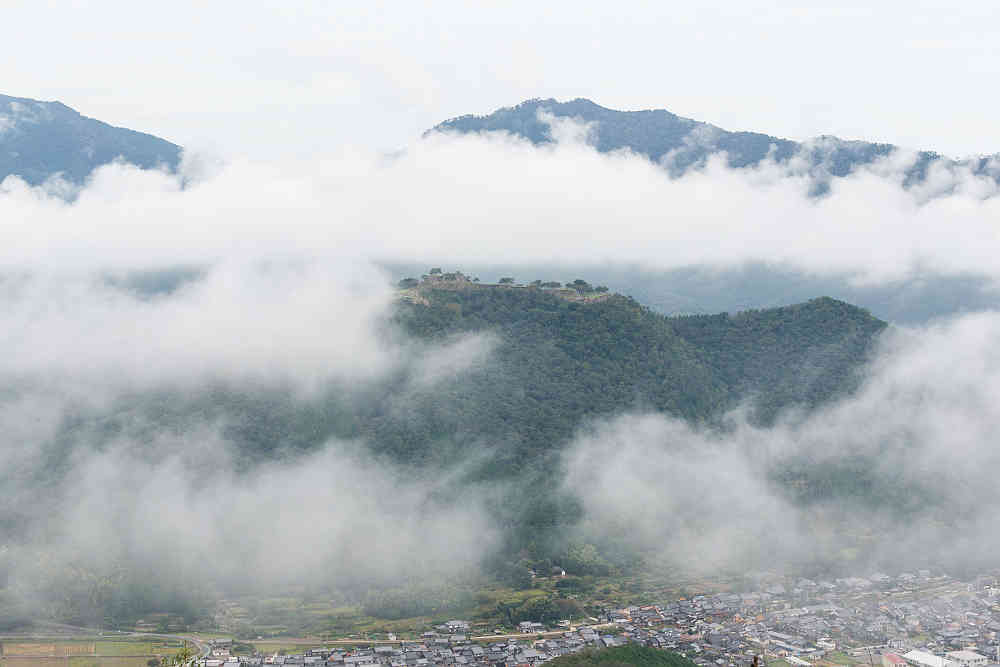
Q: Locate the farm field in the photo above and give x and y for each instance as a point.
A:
(85, 653)
(46, 648)
(74, 661)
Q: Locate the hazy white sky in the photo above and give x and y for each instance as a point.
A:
(302, 77)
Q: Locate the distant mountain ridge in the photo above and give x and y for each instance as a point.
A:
(41, 139)
(681, 143)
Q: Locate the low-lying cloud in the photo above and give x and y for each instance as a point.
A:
(126, 414)
(915, 449)
(497, 199)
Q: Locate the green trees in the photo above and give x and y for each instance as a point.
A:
(185, 655)
(806, 354)
(631, 655)
(546, 609)
(585, 559)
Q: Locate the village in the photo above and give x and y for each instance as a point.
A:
(910, 620)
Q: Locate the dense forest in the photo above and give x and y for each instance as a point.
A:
(562, 361)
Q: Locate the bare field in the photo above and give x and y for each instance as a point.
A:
(128, 648)
(73, 661)
(104, 653)
(28, 661)
(50, 648)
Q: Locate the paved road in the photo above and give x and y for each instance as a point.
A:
(353, 642)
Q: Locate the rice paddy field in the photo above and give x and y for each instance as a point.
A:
(98, 652)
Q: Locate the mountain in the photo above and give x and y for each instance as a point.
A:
(41, 139)
(563, 361)
(548, 361)
(556, 363)
(681, 143)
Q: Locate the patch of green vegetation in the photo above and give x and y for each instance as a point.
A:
(283, 648)
(127, 647)
(242, 648)
(87, 661)
(623, 656)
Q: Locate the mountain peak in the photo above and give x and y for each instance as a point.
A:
(39, 140)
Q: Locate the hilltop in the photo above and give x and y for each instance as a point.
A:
(577, 290)
(39, 140)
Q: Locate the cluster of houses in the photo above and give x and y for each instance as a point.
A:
(908, 616)
(444, 650)
(908, 620)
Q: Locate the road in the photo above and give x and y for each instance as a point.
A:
(354, 642)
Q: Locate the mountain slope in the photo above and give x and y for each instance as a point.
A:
(682, 142)
(591, 359)
(41, 139)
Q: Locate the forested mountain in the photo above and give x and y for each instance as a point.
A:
(41, 139)
(682, 142)
(555, 364)
(563, 361)
(555, 361)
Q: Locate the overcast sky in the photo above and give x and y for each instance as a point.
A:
(303, 77)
